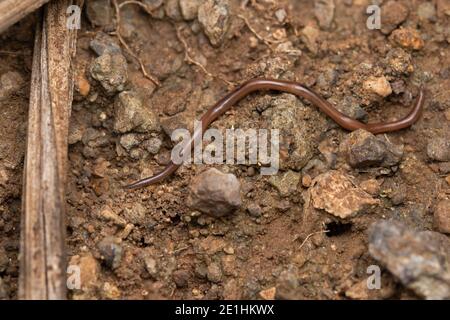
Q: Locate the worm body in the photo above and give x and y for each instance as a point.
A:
(299, 90)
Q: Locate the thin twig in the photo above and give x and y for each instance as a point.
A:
(125, 45)
(180, 250)
(140, 4)
(312, 234)
(267, 41)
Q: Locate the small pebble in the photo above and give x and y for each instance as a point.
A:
(214, 272)
(254, 210)
(442, 216)
(393, 13)
(438, 149)
(371, 186)
(408, 38)
(180, 277)
(214, 17)
(111, 251)
(306, 180)
(215, 193)
(378, 85)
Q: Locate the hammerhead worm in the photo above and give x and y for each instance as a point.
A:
(299, 90)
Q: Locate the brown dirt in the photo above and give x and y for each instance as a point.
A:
(266, 251)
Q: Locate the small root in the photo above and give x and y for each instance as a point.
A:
(190, 60)
(124, 43)
(267, 41)
(310, 235)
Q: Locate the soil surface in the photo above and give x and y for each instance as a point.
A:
(304, 233)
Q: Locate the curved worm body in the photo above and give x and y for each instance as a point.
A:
(299, 90)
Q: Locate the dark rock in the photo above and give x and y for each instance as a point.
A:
(288, 283)
(201, 271)
(398, 86)
(215, 193)
(419, 259)
(180, 277)
(156, 7)
(111, 252)
(94, 138)
(351, 108)
(254, 210)
(152, 5)
(103, 43)
(398, 196)
(362, 149)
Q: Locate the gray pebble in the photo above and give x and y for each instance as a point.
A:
(111, 252)
(215, 193)
(438, 149)
(419, 259)
(111, 71)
